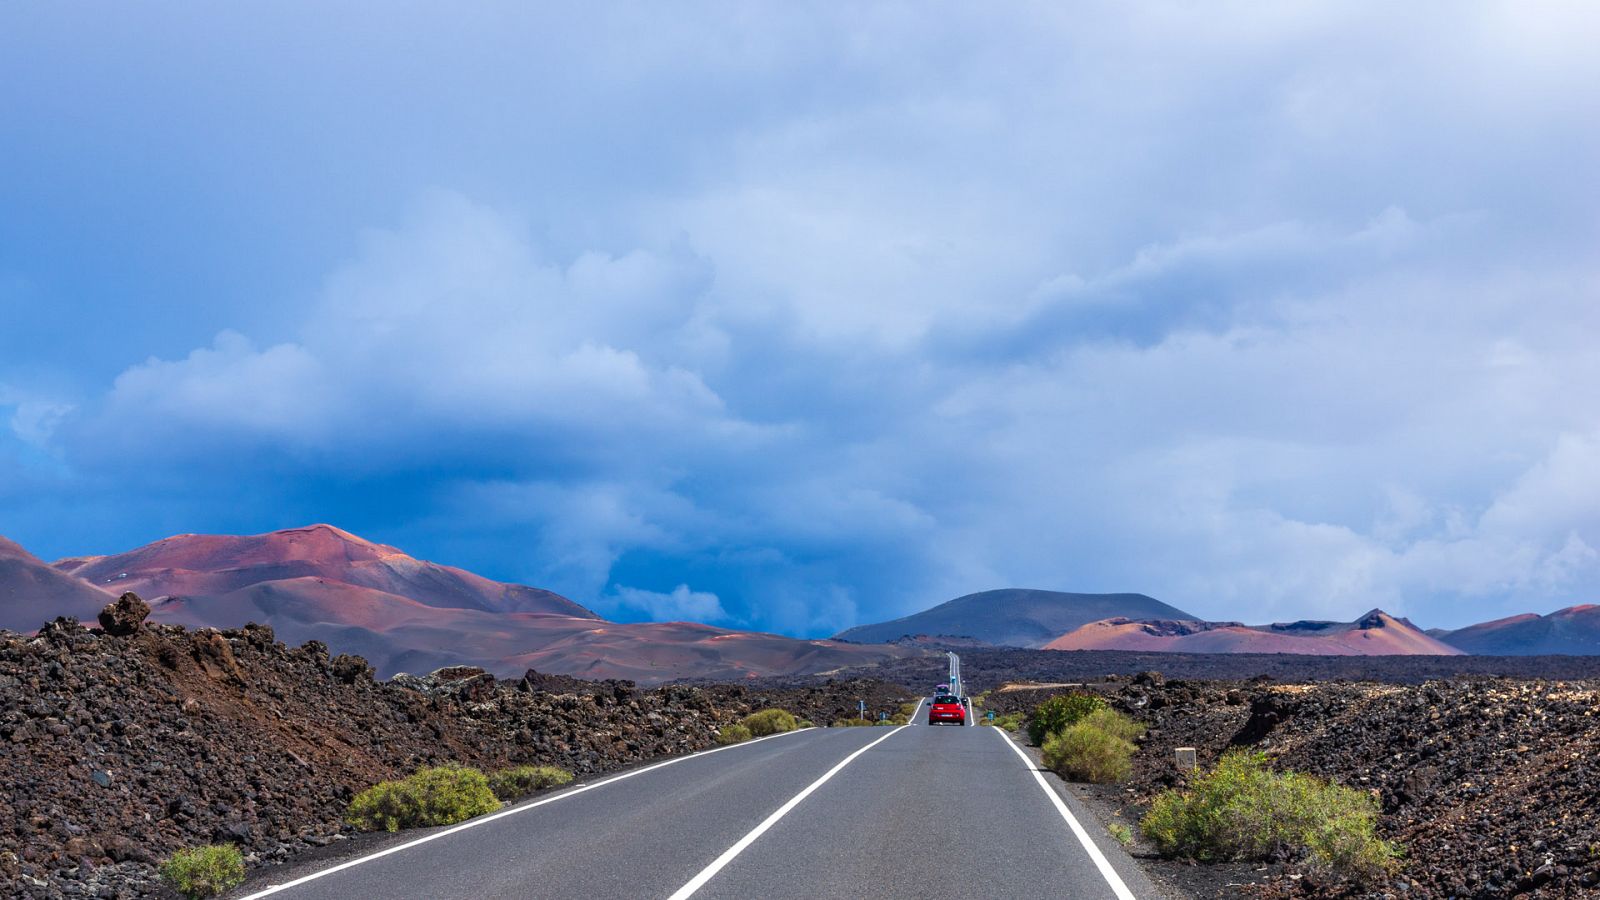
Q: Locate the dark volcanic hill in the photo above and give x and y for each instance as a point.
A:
(1574, 630)
(32, 593)
(1015, 617)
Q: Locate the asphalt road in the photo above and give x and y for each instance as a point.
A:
(915, 811)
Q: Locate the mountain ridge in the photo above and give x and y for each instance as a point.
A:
(1572, 630)
(1019, 617)
(359, 597)
(1374, 634)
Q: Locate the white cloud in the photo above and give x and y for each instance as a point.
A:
(1268, 312)
(680, 605)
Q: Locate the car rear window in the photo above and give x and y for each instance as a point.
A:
(944, 700)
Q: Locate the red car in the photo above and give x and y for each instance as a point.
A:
(947, 708)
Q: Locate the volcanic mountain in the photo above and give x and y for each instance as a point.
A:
(1014, 617)
(1375, 634)
(32, 593)
(201, 567)
(402, 614)
(1574, 630)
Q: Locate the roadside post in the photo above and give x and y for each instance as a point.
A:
(1185, 758)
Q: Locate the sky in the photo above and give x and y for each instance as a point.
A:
(794, 316)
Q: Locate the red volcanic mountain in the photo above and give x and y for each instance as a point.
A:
(32, 593)
(1574, 630)
(1375, 634)
(209, 566)
(402, 614)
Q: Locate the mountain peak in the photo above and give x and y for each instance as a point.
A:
(1018, 617)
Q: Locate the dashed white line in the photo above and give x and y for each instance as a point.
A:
(484, 820)
(1100, 862)
(706, 874)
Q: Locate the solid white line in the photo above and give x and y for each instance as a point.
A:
(484, 820)
(706, 874)
(1100, 861)
(913, 719)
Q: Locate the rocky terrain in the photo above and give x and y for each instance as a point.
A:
(987, 668)
(121, 744)
(1487, 783)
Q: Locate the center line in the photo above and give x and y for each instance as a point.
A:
(706, 874)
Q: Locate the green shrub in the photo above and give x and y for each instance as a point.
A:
(1242, 810)
(1121, 832)
(1091, 751)
(852, 723)
(204, 871)
(769, 721)
(1057, 713)
(1115, 724)
(733, 734)
(805, 723)
(896, 719)
(1010, 721)
(512, 784)
(907, 709)
(443, 795)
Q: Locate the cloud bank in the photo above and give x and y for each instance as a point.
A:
(1268, 314)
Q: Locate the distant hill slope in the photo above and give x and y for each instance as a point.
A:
(32, 593)
(397, 634)
(200, 566)
(1375, 634)
(1015, 617)
(401, 614)
(1574, 630)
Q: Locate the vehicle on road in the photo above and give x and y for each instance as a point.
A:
(947, 708)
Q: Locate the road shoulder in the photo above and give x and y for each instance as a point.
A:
(1095, 816)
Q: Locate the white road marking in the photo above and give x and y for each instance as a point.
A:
(484, 820)
(706, 874)
(1100, 861)
(913, 719)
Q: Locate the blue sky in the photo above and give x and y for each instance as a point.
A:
(794, 316)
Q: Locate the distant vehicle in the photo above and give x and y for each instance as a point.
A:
(947, 708)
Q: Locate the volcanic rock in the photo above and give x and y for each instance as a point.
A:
(124, 615)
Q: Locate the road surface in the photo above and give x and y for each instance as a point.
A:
(913, 811)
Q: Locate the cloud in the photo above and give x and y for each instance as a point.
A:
(1271, 314)
(680, 605)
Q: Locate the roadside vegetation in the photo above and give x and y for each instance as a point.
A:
(896, 719)
(443, 795)
(1057, 713)
(769, 721)
(514, 784)
(1243, 810)
(733, 734)
(1098, 748)
(759, 724)
(1009, 721)
(204, 871)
